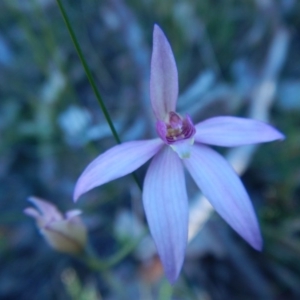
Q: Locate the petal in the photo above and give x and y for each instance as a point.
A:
(233, 131)
(73, 213)
(161, 129)
(225, 191)
(163, 77)
(49, 211)
(66, 236)
(116, 162)
(32, 212)
(166, 208)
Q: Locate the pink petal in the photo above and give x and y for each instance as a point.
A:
(48, 211)
(233, 131)
(41, 221)
(225, 191)
(163, 77)
(32, 212)
(166, 208)
(116, 162)
(73, 213)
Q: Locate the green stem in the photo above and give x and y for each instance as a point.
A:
(95, 263)
(88, 72)
(91, 80)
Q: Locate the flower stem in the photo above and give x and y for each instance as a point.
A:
(95, 263)
(88, 72)
(91, 79)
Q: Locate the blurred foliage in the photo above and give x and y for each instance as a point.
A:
(51, 127)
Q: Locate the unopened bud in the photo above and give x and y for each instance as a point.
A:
(65, 234)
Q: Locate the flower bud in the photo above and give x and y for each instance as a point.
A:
(65, 234)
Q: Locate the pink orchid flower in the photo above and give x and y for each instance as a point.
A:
(65, 234)
(181, 143)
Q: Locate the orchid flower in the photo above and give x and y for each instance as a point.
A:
(182, 144)
(65, 234)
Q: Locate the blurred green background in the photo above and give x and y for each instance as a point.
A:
(234, 58)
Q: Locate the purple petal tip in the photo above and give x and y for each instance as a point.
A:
(31, 199)
(229, 131)
(156, 27)
(258, 244)
(163, 76)
(75, 197)
(281, 136)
